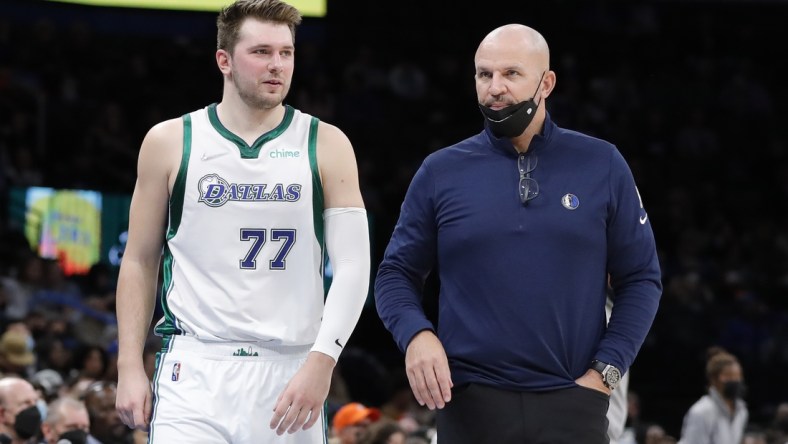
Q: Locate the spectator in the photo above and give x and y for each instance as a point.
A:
(105, 425)
(720, 416)
(20, 419)
(49, 384)
(384, 431)
(350, 423)
(777, 433)
(16, 355)
(67, 419)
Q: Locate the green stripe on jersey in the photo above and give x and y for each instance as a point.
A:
(317, 189)
(250, 152)
(168, 327)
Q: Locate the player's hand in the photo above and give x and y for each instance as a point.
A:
(133, 402)
(428, 370)
(300, 404)
(593, 380)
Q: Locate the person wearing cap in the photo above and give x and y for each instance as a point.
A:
(350, 422)
(48, 383)
(16, 354)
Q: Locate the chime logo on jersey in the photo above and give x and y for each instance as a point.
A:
(215, 191)
(176, 371)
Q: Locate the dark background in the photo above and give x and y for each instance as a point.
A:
(689, 91)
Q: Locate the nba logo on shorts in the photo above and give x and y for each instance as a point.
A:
(176, 371)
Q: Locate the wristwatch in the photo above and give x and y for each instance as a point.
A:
(610, 374)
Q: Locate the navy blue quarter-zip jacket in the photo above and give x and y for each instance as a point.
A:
(523, 287)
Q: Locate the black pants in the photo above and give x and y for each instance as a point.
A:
(480, 414)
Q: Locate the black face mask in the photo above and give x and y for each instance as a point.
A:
(514, 119)
(27, 422)
(733, 390)
(73, 437)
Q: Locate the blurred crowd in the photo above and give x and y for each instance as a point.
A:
(688, 93)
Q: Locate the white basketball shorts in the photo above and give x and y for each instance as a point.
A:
(224, 393)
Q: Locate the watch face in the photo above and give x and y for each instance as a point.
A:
(612, 376)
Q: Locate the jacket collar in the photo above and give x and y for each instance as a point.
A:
(538, 143)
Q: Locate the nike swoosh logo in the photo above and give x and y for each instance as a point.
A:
(206, 156)
(336, 341)
(643, 219)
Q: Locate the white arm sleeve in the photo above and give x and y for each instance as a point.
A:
(347, 242)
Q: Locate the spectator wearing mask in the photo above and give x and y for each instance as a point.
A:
(720, 416)
(20, 419)
(67, 422)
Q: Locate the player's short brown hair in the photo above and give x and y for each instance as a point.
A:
(231, 18)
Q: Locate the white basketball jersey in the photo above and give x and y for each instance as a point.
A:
(244, 254)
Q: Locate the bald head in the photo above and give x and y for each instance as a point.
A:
(515, 42)
(13, 389)
(513, 67)
(16, 394)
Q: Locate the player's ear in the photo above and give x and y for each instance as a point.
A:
(224, 61)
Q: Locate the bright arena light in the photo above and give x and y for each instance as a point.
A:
(309, 8)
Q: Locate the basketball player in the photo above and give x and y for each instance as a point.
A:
(240, 195)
